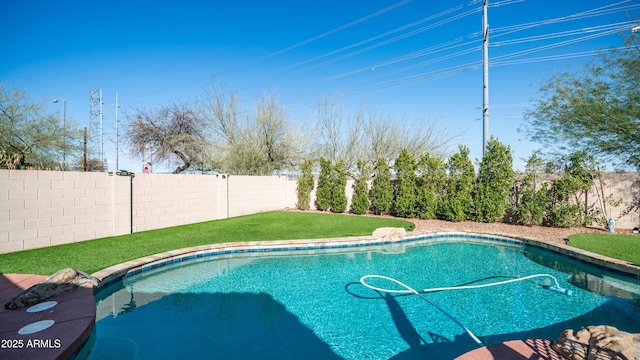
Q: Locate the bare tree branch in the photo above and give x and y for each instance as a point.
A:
(173, 133)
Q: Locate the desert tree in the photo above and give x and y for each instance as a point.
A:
(29, 136)
(337, 135)
(260, 142)
(595, 111)
(173, 133)
(369, 134)
(570, 191)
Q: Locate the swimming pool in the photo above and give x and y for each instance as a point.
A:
(310, 304)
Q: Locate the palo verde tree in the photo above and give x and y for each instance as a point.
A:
(406, 190)
(432, 185)
(360, 199)
(381, 192)
(457, 202)
(31, 138)
(596, 110)
(491, 195)
(171, 134)
(305, 185)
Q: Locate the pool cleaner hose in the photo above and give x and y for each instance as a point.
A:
(555, 287)
(409, 290)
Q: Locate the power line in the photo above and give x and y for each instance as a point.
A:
(380, 44)
(591, 29)
(463, 48)
(302, 43)
(600, 11)
(366, 41)
(499, 61)
(318, 37)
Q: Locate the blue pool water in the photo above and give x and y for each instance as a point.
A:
(310, 304)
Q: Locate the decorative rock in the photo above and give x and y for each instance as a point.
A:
(61, 282)
(601, 342)
(389, 233)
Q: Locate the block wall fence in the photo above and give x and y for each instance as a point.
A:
(46, 208)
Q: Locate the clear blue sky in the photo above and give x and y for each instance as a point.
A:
(153, 53)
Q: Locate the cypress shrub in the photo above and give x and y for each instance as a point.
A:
(405, 189)
(360, 200)
(530, 210)
(457, 203)
(432, 182)
(492, 193)
(305, 185)
(323, 191)
(381, 192)
(339, 188)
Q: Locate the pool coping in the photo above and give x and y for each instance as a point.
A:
(120, 271)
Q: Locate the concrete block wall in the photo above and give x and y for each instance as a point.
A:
(625, 187)
(164, 200)
(252, 194)
(46, 208)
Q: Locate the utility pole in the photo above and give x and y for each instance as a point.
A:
(101, 132)
(64, 132)
(117, 150)
(84, 158)
(485, 82)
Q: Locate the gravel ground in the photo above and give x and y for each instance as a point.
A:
(541, 233)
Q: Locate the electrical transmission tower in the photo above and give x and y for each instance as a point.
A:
(95, 125)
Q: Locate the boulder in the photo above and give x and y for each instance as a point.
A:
(389, 233)
(61, 282)
(600, 342)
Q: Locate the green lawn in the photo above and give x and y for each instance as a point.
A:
(91, 256)
(617, 246)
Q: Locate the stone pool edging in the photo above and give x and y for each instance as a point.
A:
(118, 272)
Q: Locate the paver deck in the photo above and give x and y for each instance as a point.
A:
(535, 349)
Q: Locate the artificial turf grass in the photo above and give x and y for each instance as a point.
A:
(93, 255)
(617, 246)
